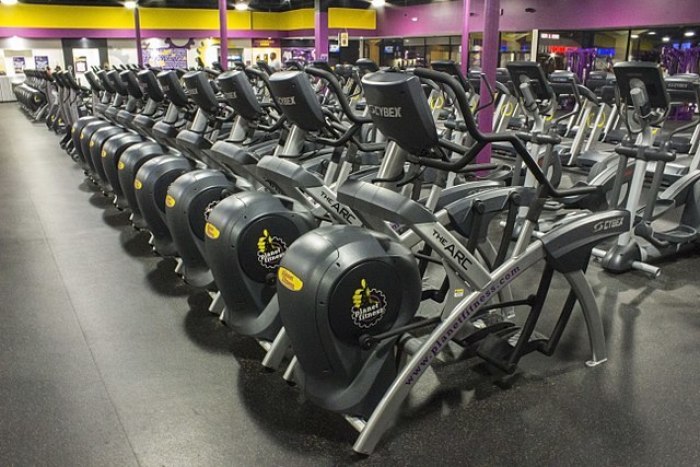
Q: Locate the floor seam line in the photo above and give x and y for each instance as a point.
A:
(82, 330)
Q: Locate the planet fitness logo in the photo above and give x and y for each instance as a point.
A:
(369, 306)
(271, 249)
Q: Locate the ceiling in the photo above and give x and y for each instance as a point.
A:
(259, 5)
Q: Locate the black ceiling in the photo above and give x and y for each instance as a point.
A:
(260, 5)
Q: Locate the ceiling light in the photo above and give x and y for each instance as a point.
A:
(131, 4)
(635, 36)
(241, 6)
(414, 19)
(689, 33)
(652, 33)
(378, 3)
(665, 39)
(8, 2)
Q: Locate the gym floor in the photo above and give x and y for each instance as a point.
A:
(107, 358)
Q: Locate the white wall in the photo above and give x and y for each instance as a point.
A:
(29, 48)
(121, 51)
(124, 50)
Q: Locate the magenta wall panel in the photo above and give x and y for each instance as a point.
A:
(445, 18)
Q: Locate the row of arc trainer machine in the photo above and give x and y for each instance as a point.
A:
(337, 216)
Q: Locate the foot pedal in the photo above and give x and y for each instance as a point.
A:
(681, 234)
(479, 334)
(497, 351)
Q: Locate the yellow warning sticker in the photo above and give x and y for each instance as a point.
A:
(120, 165)
(92, 143)
(137, 184)
(459, 293)
(211, 231)
(288, 279)
(169, 201)
(104, 153)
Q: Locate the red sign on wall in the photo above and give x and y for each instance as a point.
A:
(560, 49)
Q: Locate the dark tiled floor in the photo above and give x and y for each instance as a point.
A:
(107, 359)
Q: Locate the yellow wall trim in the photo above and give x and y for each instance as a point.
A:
(86, 17)
(284, 21)
(352, 18)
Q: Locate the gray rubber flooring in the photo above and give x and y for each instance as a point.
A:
(106, 358)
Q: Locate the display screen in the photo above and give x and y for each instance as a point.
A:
(388, 49)
(334, 48)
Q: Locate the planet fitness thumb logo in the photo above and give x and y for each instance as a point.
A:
(271, 249)
(369, 306)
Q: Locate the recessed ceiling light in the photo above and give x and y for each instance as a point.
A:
(414, 19)
(652, 33)
(378, 3)
(689, 33)
(8, 2)
(665, 39)
(241, 6)
(635, 36)
(130, 4)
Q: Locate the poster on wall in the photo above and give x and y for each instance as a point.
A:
(19, 64)
(166, 57)
(41, 62)
(81, 65)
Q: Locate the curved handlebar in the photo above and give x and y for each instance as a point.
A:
(482, 139)
(265, 78)
(647, 154)
(338, 91)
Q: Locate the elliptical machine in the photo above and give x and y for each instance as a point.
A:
(248, 233)
(348, 296)
(164, 131)
(642, 90)
(192, 195)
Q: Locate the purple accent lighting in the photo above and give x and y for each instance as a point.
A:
(223, 33)
(489, 59)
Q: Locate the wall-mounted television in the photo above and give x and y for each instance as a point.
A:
(334, 48)
(388, 49)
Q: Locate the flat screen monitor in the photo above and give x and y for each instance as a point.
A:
(521, 72)
(635, 74)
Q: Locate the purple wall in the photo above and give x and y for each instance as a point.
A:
(445, 18)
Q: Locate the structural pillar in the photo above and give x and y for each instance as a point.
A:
(464, 54)
(223, 34)
(137, 30)
(534, 44)
(321, 29)
(489, 63)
